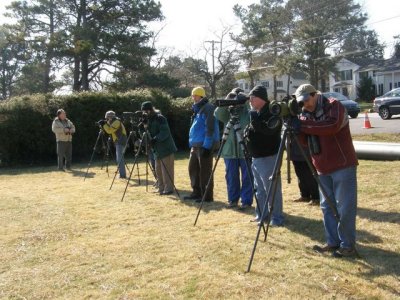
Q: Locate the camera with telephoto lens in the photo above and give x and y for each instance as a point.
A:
(238, 99)
(283, 111)
(287, 107)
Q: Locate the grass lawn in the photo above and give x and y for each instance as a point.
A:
(66, 238)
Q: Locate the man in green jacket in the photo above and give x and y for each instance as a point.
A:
(235, 162)
(162, 145)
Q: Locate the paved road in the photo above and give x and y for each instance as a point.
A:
(379, 125)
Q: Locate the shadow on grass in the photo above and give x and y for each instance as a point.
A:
(314, 229)
(378, 216)
(378, 261)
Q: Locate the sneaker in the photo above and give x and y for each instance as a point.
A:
(255, 220)
(302, 199)
(344, 252)
(325, 248)
(232, 205)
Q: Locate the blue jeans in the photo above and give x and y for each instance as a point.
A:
(262, 171)
(341, 188)
(119, 153)
(237, 189)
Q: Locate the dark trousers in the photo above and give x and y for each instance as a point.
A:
(200, 170)
(307, 184)
(64, 151)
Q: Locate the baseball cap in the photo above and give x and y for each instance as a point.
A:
(303, 92)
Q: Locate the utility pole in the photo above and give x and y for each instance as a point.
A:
(213, 66)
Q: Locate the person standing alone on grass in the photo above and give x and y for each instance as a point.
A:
(114, 127)
(203, 139)
(162, 146)
(233, 155)
(63, 129)
(263, 144)
(326, 125)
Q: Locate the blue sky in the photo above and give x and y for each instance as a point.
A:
(190, 22)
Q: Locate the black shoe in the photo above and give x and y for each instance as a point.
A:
(232, 205)
(166, 193)
(205, 200)
(192, 197)
(245, 206)
(325, 248)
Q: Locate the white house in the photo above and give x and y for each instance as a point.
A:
(385, 75)
(265, 78)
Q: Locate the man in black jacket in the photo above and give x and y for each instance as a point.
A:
(263, 144)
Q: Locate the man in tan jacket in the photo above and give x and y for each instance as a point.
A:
(63, 129)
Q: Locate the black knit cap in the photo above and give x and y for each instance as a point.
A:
(147, 106)
(260, 92)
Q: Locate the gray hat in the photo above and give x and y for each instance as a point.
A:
(303, 92)
(110, 114)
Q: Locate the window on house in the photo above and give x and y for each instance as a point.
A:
(279, 83)
(345, 91)
(265, 83)
(344, 75)
(390, 86)
(246, 86)
(380, 89)
(363, 75)
(337, 90)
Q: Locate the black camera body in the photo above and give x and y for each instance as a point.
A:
(239, 99)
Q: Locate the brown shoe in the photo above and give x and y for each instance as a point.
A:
(302, 199)
(325, 248)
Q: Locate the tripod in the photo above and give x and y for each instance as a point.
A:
(289, 135)
(100, 136)
(234, 123)
(107, 145)
(135, 162)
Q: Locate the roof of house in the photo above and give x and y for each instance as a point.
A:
(379, 65)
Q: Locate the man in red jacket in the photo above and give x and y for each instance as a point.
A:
(325, 124)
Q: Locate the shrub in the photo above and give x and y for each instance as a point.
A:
(25, 122)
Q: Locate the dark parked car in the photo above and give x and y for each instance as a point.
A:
(388, 104)
(353, 109)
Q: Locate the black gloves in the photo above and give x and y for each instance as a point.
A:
(101, 122)
(205, 153)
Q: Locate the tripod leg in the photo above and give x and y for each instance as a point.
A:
(133, 167)
(275, 172)
(94, 149)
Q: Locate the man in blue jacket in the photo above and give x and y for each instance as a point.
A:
(203, 139)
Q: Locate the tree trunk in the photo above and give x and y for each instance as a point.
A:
(85, 53)
(288, 84)
(50, 50)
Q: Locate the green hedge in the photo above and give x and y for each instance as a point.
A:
(25, 122)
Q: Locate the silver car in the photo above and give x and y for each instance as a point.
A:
(388, 104)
